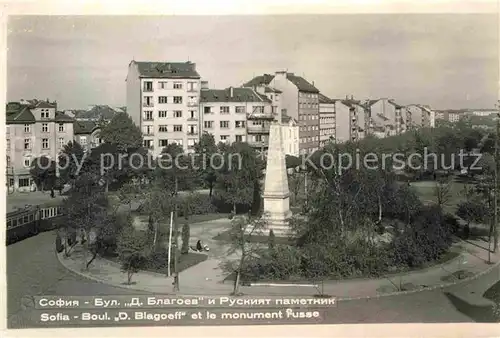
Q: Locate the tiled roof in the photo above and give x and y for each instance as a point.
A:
(84, 127)
(301, 83)
(395, 104)
(97, 112)
(18, 113)
(239, 95)
(272, 90)
(325, 99)
(167, 69)
(45, 104)
(61, 117)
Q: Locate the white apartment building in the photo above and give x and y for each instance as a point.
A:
(163, 100)
(34, 129)
(236, 115)
(420, 116)
(300, 100)
(327, 125)
(290, 135)
(352, 120)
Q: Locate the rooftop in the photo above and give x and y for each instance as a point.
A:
(151, 69)
(97, 112)
(325, 99)
(302, 84)
(239, 95)
(84, 127)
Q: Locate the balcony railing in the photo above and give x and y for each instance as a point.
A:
(192, 118)
(148, 118)
(191, 90)
(148, 133)
(258, 129)
(258, 144)
(192, 132)
(147, 104)
(192, 104)
(146, 89)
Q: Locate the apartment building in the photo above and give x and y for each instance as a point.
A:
(236, 115)
(163, 100)
(300, 100)
(34, 129)
(327, 125)
(87, 134)
(290, 135)
(418, 116)
(352, 120)
(386, 116)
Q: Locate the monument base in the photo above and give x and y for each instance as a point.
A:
(279, 223)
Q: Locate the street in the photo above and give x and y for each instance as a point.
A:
(32, 269)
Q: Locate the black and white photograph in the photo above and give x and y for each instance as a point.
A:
(252, 169)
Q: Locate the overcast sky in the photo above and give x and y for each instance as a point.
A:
(446, 61)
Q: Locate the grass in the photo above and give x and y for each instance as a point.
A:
(204, 217)
(426, 191)
(493, 293)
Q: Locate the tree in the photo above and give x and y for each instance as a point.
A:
(43, 172)
(242, 233)
(473, 211)
(185, 239)
(240, 172)
(442, 191)
(122, 132)
(72, 161)
(204, 151)
(132, 246)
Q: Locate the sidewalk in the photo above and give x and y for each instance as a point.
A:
(206, 278)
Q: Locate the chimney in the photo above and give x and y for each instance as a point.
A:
(313, 83)
(231, 92)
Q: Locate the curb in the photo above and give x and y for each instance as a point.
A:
(439, 286)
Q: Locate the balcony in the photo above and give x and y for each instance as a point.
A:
(258, 144)
(147, 89)
(192, 104)
(147, 118)
(148, 133)
(193, 118)
(258, 129)
(191, 90)
(147, 104)
(192, 133)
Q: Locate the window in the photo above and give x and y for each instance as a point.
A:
(147, 130)
(148, 101)
(27, 162)
(27, 128)
(224, 124)
(240, 124)
(177, 99)
(44, 114)
(191, 142)
(178, 113)
(148, 144)
(177, 85)
(179, 142)
(45, 143)
(208, 124)
(258, 109)
(8, 144)
(224, 110)
(162, 143)
(11, 182)
(240, 110)
(148, 86)
(24, 182)
(162, 84)
(162, 99)
(162, 129)
(162, 113)
(224, 137)
(61, 142)
(83, 140)
(207, 110)
(148, 115)
(27, 143)
(45, 128)
(192, 114)
(239, 138)
(61, 127)
(192, 129)
(191, 86)
(258, 138)
(178, 127)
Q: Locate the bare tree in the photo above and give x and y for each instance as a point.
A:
(442, 191)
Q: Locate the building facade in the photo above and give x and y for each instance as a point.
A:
(418, 116)
(163, 100)
(300, 100)
(236, 115)
(327, 127)
(34, 129)
(87, 134)
(290, 135)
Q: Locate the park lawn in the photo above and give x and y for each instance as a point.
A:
(185, 261)
(426, 191)
(493, 293)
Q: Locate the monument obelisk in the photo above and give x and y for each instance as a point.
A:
(276, 193)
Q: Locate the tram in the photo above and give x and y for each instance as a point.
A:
(30, 221)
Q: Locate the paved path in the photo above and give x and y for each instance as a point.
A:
(33, 269)
(207, 277)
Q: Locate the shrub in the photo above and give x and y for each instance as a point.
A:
(271, 242)
(196, 204)
(185, 239)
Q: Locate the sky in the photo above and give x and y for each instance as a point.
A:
(443, 60)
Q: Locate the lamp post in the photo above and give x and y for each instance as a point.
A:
(495, 187)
